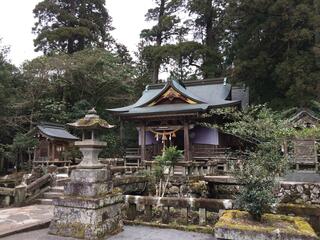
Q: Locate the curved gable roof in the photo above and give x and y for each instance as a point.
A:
(205, 93)
(56, 131)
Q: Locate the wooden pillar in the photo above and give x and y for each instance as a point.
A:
(48, 154)
(53, 151)
(121, 132)
(143, 142)
(186, 142)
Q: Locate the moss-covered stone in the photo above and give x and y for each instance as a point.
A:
(233, 223)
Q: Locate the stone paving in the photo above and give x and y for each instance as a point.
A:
(17, 219)
(129, 233)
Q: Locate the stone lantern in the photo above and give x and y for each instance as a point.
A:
(90, 146)
(90, 207)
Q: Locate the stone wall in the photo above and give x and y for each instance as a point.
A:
(187, 187)
(299, 192)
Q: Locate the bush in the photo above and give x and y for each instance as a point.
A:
(262, 163)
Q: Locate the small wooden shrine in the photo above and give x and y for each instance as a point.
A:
(173, 113)
(53, 139)
(305, 153)
(305, 118)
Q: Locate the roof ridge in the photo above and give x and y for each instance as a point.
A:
(190, 82)
(51, 124)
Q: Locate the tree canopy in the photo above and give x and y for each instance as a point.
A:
(274, 50)
(71, 25)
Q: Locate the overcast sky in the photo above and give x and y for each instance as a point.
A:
(16, 21)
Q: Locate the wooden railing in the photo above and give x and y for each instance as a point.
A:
(202, 205)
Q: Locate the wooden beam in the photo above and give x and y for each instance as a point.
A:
(186, 142)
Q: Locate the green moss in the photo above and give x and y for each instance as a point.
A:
(92, 122)
(241, 220)
(198, 186)
(76, 230)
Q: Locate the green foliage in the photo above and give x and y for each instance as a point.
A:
(166, 27)
(63, 87)
(209, 29)
(169, 157)
(165, 162)
(274, 50)
(70, 26)
(114, 147)
(23, 142)
(257, 124)
(307, 133)
(262, 163)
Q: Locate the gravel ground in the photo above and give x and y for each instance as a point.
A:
(130, 232)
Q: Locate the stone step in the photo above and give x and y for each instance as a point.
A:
(51, 195)
(44, 201)
(57, 189)
(63, 181)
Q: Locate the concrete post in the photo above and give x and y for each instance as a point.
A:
(202, 216)
(165, 218)
(20, 194)
(132, 211)
(184, 215)
(148, 212)
(6, 201)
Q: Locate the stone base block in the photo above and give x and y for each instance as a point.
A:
(86, 231)
(87, 218)
(88, 189)
(238, 225)
(91, 175)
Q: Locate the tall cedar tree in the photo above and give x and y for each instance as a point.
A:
(209, 29)
(274, 50)
(71, 25)
(166, 27)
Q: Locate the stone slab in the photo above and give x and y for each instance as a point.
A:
(88, 203)
(14, 220)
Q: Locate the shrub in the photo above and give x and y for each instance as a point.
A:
(262, 163)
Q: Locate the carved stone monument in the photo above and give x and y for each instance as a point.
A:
(90, 207)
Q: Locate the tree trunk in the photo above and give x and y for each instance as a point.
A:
(166, 184)
(70, 45)
(157, 62)
(210, 42)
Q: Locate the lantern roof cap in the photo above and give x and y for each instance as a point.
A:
(91, 121)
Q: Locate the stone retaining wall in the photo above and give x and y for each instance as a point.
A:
(299, 192)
